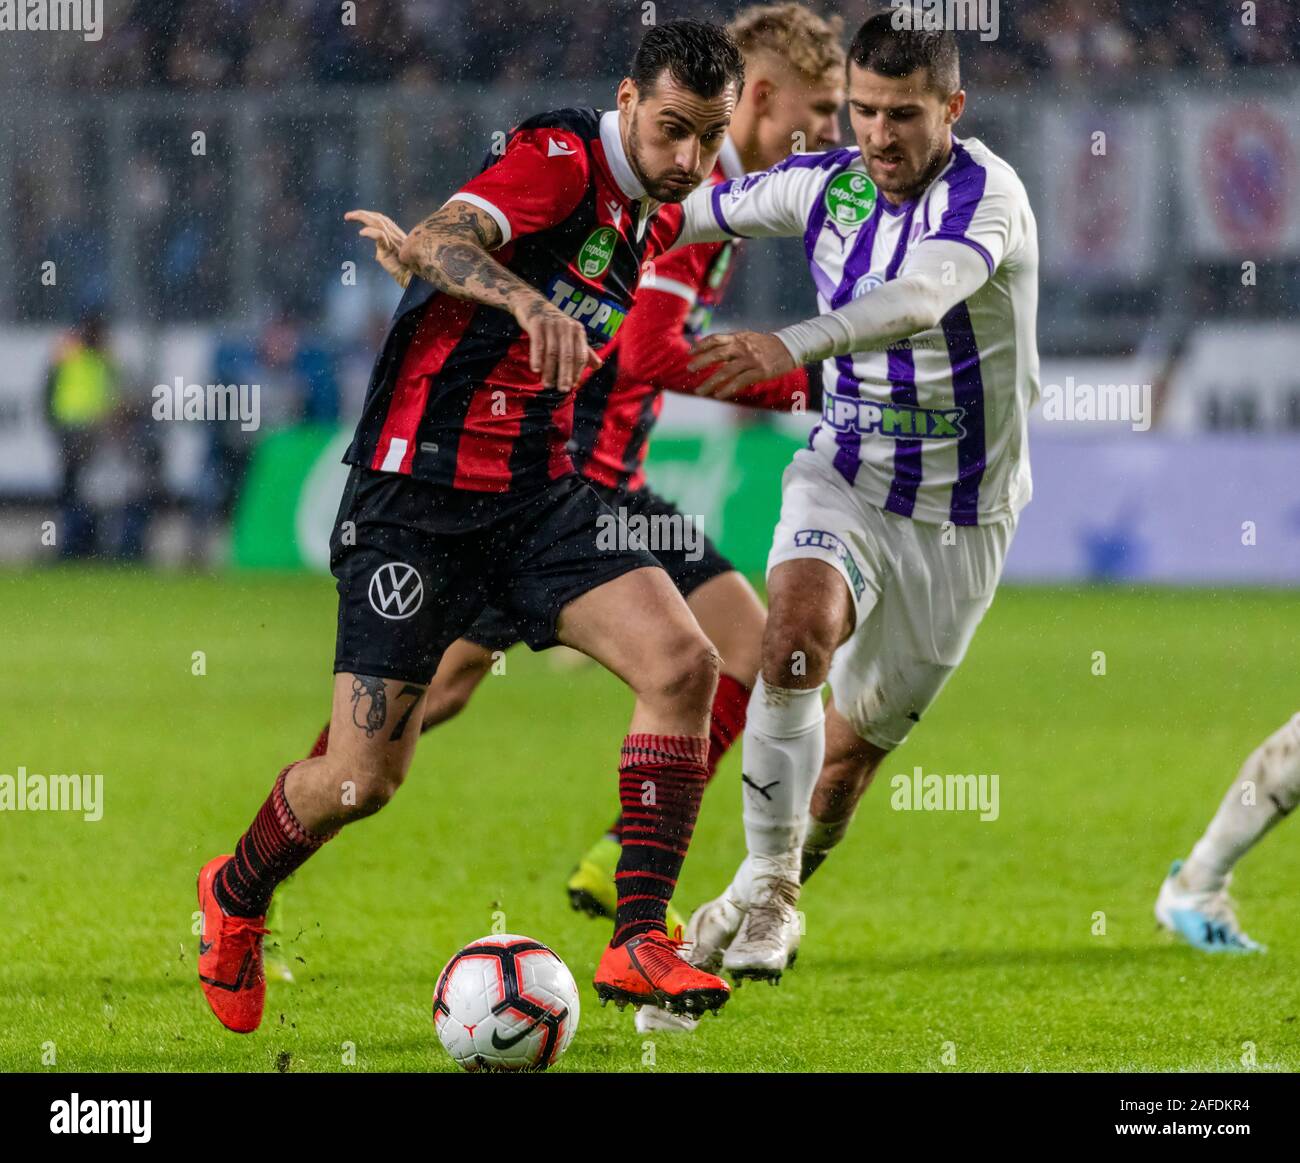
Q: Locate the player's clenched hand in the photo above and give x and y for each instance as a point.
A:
(740, 359)
(558, 350)
(388, 238)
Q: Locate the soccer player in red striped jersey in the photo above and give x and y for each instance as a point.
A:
(463, 494)
(794, 65)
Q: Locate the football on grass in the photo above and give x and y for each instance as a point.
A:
(505, 1003)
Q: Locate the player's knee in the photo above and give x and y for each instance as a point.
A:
(370, 784)
(797, 653)
(374, 793)
(684, 674)
(1275, 765)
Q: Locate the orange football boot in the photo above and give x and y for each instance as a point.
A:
(648, 970)
(230, 958)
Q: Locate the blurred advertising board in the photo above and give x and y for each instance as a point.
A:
(1118, 505)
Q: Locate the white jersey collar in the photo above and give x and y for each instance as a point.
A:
(612, 141)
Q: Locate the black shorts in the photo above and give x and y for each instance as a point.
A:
(417, 563)
(689, 562)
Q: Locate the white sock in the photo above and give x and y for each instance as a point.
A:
(784, 745)
(1266, 788)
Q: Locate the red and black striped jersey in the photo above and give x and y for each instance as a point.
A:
(452, 399)
(619, 403)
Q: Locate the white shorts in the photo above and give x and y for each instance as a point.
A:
(919, 589)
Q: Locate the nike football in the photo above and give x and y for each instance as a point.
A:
(505, 1003)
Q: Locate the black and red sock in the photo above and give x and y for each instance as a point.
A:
(660, 781)
(730, 703)
(274, 846)
(727, 721)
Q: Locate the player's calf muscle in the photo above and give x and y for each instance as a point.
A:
(847, 771)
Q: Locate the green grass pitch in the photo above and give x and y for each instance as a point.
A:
(934, 941)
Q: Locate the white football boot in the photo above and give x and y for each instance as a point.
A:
(768, 938)
(712, 927)
(656, 1020)
(1205, 920)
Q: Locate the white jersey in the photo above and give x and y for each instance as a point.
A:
(933, 427)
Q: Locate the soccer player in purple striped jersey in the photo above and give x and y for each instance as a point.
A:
(897, 517)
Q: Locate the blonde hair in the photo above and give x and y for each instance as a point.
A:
(810, 44)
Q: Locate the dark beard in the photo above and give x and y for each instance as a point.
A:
(931, 171)
(657, 193)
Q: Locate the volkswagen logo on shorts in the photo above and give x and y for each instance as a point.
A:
(396, 590)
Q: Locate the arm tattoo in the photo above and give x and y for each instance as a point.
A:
(465, 217)
(452, 247)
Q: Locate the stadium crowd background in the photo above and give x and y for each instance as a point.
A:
(196, 45)
(303, 117)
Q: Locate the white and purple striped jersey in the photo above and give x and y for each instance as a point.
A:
(933, 427)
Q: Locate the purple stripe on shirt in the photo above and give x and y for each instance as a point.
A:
(859, 261)
(716, 201)
(968, 394)
(835, 159)
(831, 159)
(901, 369)
(848, 454)
(965, 240)
(848, 444)
(816, 220)
(966, 180)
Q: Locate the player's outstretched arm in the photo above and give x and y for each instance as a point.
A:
(938, 276)
(449, 250)
(768, 204)
(653, 349)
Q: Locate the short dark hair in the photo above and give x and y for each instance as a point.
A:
(701, 57)
(893, 51)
